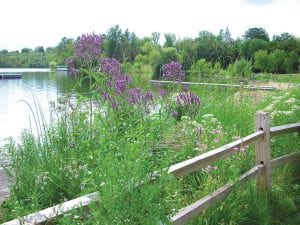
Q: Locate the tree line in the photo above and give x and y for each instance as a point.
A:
(207, 53)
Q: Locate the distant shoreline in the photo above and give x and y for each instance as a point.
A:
(23, 70)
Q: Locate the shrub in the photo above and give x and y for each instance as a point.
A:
(242, 67)
(202, 68)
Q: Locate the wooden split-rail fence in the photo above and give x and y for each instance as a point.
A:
(241, 85)
(262, 170)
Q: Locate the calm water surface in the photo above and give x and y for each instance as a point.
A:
(39, 84)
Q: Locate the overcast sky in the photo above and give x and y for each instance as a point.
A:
(31, 23)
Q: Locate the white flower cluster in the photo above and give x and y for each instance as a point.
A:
(285, 104)
(42, 180)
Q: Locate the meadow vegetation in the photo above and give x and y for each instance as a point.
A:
(121, 137)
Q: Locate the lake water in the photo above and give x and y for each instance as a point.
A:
(17, 94)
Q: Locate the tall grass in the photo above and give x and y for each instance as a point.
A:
(91, 146)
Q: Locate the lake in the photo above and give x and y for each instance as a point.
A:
(18, 95)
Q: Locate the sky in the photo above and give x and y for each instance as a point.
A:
(32, 23)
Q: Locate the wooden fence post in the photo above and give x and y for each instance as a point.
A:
(263, 152)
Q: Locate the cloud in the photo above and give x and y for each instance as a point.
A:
(259, 2)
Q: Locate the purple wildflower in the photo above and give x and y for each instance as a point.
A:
(105, 96)
(173, 71)
(134, 96)
(117, 81)
(108, 98)
(163, 93)
(71, 66)
(109, 83)
(114, 104)
(121, 83)
(119, 86)
(241, 149)
(175, 114)
(187, 98)
(89, 47)
(110, 66)
(187, 104)
(147, 97)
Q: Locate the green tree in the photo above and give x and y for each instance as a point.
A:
(247, 48)
(112, 42)
(155, 36)
(39, 49)
(206, 45)
(187, 49)
(170, 40)
(226, 36)
(286, 42)
(256, 33)
(24, 60)
(261, 60)
(122, 46)
(242, 67)
(26, 50)
(293, 57)
(4, 51)
(145, 52)
(201, 68)
(227, 48)
(217, 69)
(278, 58)
(283, 37)
(63, 50)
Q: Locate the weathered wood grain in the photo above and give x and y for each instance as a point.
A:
(52, 212)
(285, 159)
(285, 129)
(263, 152)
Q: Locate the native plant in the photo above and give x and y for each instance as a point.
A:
(88, 52)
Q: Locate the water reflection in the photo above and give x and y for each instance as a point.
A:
(17, 94)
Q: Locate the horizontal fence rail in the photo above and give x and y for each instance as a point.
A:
(205, 159)
(52, 212)
(263, 88)
(285, 159)
(186, 214)
(285, 129)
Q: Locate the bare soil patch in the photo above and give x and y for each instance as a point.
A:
(278, 85)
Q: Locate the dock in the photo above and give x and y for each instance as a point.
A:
(61, 68)
(10, 76)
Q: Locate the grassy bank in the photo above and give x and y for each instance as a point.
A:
(108, 144)
(286, 78)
